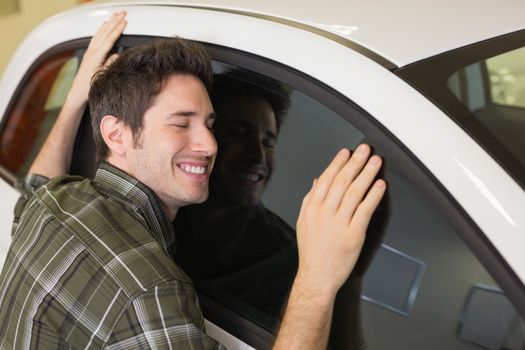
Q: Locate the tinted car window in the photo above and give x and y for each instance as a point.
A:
(493, 90)
(416, 284)
(34, 110)
(482, 87)
(507, 78)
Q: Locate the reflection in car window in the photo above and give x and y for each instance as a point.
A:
(34, 111)
(233, 246)
(416, 284)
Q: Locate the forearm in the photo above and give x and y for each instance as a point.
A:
(306, 322)
(54, 158)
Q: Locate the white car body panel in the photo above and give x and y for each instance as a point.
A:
(7, 204)
(226, 339)
(478, 183)
(402, 31)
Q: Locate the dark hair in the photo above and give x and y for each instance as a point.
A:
(128, 87)
(237, 83)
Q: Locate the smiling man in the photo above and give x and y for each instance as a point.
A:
(90, 265)
(91, 261)
(168, 145)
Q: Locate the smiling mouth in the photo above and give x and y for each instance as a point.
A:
(251, 177)
(192, 169)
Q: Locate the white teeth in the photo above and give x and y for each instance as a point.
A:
(250, 177)
(193, 169)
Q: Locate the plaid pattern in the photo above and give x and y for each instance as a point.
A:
(90, 266)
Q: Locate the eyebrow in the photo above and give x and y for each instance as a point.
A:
(183, 113)
(268, 132)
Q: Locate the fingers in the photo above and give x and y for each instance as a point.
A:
(117, 25)
(366, 208)
(346, 176)
(357, 190)
(95, 56)
(320, 189)
(108, 32)
(116, 20)
(345, 182)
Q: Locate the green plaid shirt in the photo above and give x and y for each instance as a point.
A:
(90, 266)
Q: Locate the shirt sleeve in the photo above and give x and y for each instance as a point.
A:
(26, 186)
(165, 317)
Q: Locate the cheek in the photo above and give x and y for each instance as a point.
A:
(270, 158)
(172, 143)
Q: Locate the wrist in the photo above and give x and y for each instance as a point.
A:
(318, 291)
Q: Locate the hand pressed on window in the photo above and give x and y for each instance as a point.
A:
(330, 234)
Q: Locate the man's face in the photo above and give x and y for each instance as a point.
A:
(177, 149)
(247, 134)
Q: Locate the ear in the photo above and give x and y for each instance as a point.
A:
(114, 133)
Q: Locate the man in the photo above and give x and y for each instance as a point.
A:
(90, 264)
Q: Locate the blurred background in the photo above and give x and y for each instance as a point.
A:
(19, 17)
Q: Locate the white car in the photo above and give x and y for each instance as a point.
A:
(437, 88)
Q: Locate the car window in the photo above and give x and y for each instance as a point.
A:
(34, 111)
(493, 90)
(507, 78)
(482, 88)
(416, 284)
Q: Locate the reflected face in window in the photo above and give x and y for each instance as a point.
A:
(246, 133)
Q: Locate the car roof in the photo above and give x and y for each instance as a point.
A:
(402, 31)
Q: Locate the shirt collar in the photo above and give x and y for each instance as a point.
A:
(140, 199)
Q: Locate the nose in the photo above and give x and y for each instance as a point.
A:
(204, 142)
(255, 150)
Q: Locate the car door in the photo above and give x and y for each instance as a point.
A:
(427, 277)
(428, 272)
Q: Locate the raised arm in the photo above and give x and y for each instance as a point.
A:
(330, 234)
(54, 158)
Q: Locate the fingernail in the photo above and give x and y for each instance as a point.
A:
(362, 149)
(380, 184)
(343, 152)
(375, 160)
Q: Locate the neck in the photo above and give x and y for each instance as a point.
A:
(170, 212)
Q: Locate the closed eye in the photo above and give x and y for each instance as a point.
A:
(270, 142)
(182, 126)
(236, 130)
